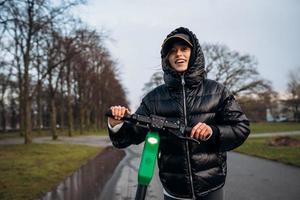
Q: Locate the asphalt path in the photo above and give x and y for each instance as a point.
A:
(249, 178)
(123, 184)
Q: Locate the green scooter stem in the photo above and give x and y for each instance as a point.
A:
(147, 164)
(141, 192)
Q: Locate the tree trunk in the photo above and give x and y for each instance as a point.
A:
(69, 101)
(27, 102)
(53, 118)
(88, 119)
(26, 58)
(27, 121)
(62, 105)
(13, 120)
(21, 109)
(101, 121)
(39, 107)
(3, 120)
(81, 118)
(96, 120)
(21, 93)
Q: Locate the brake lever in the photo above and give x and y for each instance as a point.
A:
(190, 138)
(182, 131)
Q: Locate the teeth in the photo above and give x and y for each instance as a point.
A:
(180, 61)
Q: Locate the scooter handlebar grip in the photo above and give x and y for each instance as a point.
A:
(188, 129)
(108, 113)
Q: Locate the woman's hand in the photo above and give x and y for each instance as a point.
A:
(118, 112)
(201, 131)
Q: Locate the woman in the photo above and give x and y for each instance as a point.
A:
(188, 170)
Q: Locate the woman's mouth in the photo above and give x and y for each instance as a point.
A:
(179, 61)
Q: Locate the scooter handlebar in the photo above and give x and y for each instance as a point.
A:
(157, 122)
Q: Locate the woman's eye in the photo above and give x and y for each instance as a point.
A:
(172, 50)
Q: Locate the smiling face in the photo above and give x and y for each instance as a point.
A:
(179, 56)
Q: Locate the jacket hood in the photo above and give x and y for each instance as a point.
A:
(196, 68)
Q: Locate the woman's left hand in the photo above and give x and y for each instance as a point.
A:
(201, 131)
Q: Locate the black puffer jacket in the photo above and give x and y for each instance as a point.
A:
(187, 169)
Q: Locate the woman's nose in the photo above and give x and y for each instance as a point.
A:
(178, 52)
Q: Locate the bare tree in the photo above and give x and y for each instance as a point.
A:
(155, 80)
(256, 107)
(46, 57)
(113, 92)
(58, 57)
(69, 95)
(5, 82)
(70, 50)
(294, 89)
(24, 20)
(88, 68)
(235, 70)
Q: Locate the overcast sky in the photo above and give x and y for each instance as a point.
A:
(268, 29)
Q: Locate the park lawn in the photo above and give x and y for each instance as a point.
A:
(60, 132)
(258, 147)
(103, 131)
(28, 171)
(272, 127)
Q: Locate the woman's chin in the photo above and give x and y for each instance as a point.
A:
(181, 68)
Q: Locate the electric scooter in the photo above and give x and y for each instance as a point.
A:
(154, 124)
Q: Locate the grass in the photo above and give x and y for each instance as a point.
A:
(64, 132)
(60, 132)
(268, 127)
(27, 171)
(258, 147)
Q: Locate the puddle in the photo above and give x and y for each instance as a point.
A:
(88, 182)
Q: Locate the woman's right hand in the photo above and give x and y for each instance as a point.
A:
(118, 112)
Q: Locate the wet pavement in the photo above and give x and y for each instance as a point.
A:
(123, 184)
(248, 178)
(89, 180)
(252, 178)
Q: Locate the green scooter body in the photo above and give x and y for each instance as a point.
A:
(148, 159)
(147, 164)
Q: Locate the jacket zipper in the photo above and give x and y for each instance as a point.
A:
(186, 142)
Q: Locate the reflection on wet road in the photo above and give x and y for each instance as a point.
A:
(88, 182)
(123, 184)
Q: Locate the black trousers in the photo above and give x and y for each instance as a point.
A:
(216, 195)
